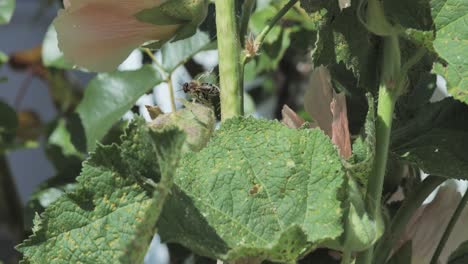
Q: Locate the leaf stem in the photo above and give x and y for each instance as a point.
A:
(261, 37)
(258, 42)
(403, 215)
(229, 48)
(247, 8)
(388, 95)
(171, 93)
(449, 229)
(155, 61)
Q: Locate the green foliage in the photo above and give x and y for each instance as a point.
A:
(450, 43)
(187, 13)
(434, 138)
(343, 39)
(108, 96)
(260, 190)
(51, 54)
(7, 7)
(402, 255)
(8, 125)
(460, 255)
(360, 163)
(111, 213)
(178, 53)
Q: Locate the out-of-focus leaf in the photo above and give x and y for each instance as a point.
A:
(7, 7)
(29, 126)
(409, 14)
(435, 137)
(110, 215)
(460, 256)
(108, 96)
(3, 58)
(177, 53)
(450, 18)
(258, 190)
(52, 56)
(403, 255)
(8, 125)
(428, 224)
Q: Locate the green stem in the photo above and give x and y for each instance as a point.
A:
(231, 80)
(258, 42)
(346, 257)
(388, 94)
(449, 229)
(385, 109)
(247, 8)
(404, 214)
(171, 93)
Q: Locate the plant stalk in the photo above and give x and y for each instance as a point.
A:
(230, 72)
(403, 215)
(258, 42)
(388, 95)
(247, 8)
(449, 229)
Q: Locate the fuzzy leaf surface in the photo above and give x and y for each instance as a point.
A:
(258, 190)
(110, 215)
(451, 23)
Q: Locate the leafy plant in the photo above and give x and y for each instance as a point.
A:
(360, 75)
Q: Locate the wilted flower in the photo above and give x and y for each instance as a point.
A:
(100, 34)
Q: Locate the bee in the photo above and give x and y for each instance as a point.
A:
(202, 92)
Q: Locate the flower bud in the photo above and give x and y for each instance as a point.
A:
(99, 34)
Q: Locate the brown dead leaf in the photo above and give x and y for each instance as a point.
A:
(340, 130)
(290, 118)
(329, 110)
(318, 97)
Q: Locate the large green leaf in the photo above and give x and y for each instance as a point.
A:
(450, 19)
(7, 7)
(110, 215)
(109, 96)
(258, 190)
(460, 256)
(434, 138)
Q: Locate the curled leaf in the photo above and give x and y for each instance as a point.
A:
(329, 110)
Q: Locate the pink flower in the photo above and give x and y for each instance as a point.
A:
(100, 34)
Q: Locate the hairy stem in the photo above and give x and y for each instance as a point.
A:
(449, 228)
(247, 8)
(230, 72)
(388, 94)
(258, 42)
(171, 93)
(403, 215)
